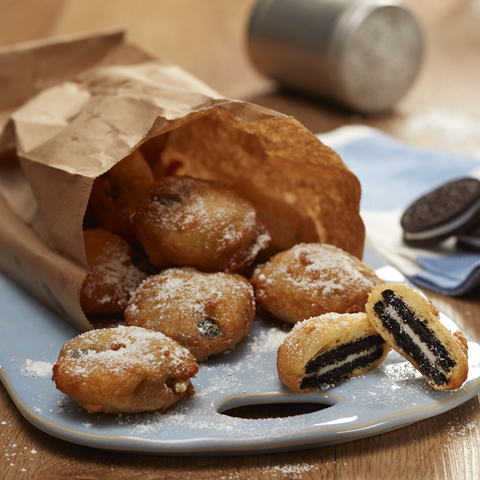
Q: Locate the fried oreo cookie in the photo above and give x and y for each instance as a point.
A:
(411, 325)
(324, 350)
(311, 279)
(124, 370)
(446, 211)
(208, 313)
(185, 221)
(113, 275)
(116, 193)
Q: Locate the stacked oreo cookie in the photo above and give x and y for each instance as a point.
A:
(453, 209)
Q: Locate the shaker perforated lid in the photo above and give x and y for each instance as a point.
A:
(364, 54)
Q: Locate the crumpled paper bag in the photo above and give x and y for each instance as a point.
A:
(79, 105)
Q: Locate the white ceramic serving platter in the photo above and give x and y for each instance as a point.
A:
(393, 396)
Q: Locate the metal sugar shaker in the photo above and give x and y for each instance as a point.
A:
(362, 54)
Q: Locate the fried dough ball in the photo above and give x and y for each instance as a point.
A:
(311, 279)
(116, 193)
(112, 276)
(208, 313)
(185, 221)
(124, 370)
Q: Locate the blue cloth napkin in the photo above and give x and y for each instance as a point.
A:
(393, 175)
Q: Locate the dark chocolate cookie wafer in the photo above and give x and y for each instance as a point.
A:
(450, 209)
(470, 240)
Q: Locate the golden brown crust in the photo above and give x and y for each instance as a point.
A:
(208, 313)
(124, 370)
(317, 335)
(198, 223)
(112, 276)
(116, 193)
(428, 317)
(312, 279)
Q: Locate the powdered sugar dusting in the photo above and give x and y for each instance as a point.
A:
(196, 209)
(449, 128)
(122, 348)
(117, 282)
(314, 328)
(326, 269)
(248, 374)
(113, 276)
(402, 371)
(462, 424)
(187, 291)
(316, 268)
(268, 340)
(37, 368)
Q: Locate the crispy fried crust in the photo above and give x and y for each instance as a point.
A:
(116, 193)
(208, 313)
(311, 279)
(112, 276)
(434, 363)
(199, 223)
(124, 370)
(318, 335)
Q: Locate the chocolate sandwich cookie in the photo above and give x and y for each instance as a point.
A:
(324, 350)
(411, 325)
(470, 240)
(450, 209)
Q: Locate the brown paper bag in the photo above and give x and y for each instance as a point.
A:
(82, 104)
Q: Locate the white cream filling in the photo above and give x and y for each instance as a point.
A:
(413, 336)
(469, 240)
(181, 385)
(445, 228)
(351, 358)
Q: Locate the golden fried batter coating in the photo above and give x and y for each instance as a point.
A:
(124, 370)
(311, 279)
(112, 276)
(324, 350)
(198, 223)
(116, 193)
(412, 326)
(208, 313)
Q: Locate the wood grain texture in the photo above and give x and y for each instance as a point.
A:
(208, 39)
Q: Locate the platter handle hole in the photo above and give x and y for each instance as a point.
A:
(274, 410)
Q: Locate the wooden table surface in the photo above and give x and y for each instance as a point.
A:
(441, 110)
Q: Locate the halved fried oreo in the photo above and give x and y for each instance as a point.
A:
(325, 350)
(411, 325)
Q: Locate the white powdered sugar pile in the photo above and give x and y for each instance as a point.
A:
(37, 368)
(267, 340)
(449, 128)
